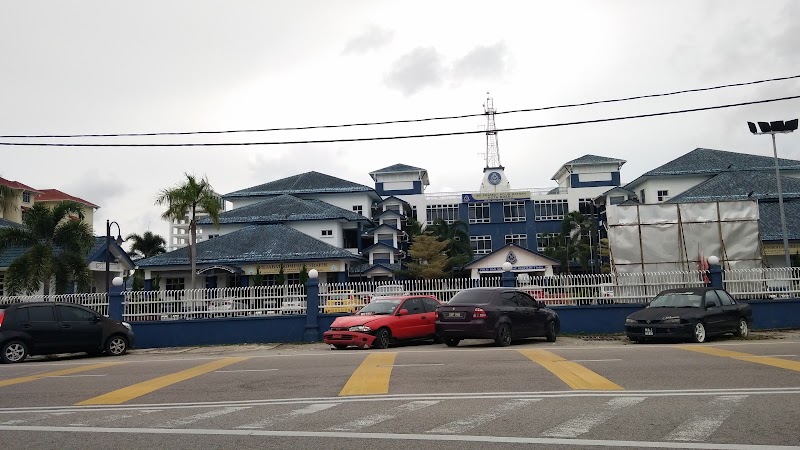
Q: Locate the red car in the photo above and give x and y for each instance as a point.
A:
(384, 321)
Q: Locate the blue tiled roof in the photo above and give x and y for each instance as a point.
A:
(256, 243)
(374, 230)
(380, 245)
(365, 268)
(708, 161)
(11, 253)
(285, 208)
(594, 159)
(5, 223)
(389, 212)
(305, 183)
(398, 168)
(740, 185)
(770, 220)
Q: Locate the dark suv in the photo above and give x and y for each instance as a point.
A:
(46, 328)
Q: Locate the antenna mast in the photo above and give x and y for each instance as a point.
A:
(492, 152)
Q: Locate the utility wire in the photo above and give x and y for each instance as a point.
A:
(389, 122)
(386, 138)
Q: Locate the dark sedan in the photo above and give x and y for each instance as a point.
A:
(689, 313)
(501, 314)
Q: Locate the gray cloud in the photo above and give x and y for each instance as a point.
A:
(371, 39)
(412, 72)
(482, 62)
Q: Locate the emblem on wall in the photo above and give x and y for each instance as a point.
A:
(512, 258)
(495, 178)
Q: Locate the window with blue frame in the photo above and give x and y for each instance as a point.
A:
(514, 211)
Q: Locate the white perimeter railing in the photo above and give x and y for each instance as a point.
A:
(562, 290)
(96, 301)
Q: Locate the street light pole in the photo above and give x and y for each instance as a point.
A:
(772, 128)
(118, 241)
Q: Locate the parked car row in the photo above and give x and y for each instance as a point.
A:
(506, 314)
(501, 314)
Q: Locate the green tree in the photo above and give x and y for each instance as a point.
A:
(187, 199)
(56, 248)
(146, 245)
(428, 257)
(456, 234)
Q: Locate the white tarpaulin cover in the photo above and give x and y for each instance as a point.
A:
(666, 237)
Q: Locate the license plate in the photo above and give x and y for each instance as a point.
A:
(648, 331)
(455, 315)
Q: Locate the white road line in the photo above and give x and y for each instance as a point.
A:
(701, 426)
(202, 416)
(245, 370)
(35, 418)
(310, 409)
(113, 417)
(585, 422)
(490, 440)
(373, 419)
(663, 393)
(462, 425)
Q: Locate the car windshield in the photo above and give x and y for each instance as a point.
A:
(471, 297)
(677, 300)
(378, 307)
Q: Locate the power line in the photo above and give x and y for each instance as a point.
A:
(390, 122)
(387, 138)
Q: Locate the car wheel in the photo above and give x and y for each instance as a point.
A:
(699, 334)
(503, 338)
(383, 337)
(551, 331)
(116, 346)
(743, 329)
(437, 339)
(452, 342)
(13, 352)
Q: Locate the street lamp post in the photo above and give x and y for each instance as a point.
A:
(772, 128)
(118, 241)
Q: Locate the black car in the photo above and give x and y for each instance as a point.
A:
(501, 314)
(46, 328)
(689, 313)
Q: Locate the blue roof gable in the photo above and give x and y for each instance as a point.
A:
(594, 159)
(398, 168)
(740, 185)
(383, 226)
(285, 208)
(708, 161)
(255, 243)
(513, 247)
(305, 183)
(380, 246)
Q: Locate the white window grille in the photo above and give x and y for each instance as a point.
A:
(481, 245)
(514, 211)
(479, 213)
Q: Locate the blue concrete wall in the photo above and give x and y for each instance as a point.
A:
(595, 319)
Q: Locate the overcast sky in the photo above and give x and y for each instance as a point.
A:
(164, 66)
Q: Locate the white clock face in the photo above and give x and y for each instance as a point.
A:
(495, 178)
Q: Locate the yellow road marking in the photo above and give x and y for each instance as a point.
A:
(372, 376)
(146, 387)
(766, 360)
(55, 373)
(575, 375)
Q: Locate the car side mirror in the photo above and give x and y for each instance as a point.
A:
(711, 305)
(96, 319)
(539, 304)
(402, 312)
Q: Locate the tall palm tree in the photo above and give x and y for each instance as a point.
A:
(572, 242)
(146, 245)
(56, 247)
(187, 199)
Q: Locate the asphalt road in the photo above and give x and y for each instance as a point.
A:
(574, 393)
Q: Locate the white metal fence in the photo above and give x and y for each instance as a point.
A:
(96, 301)
(563, 290)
